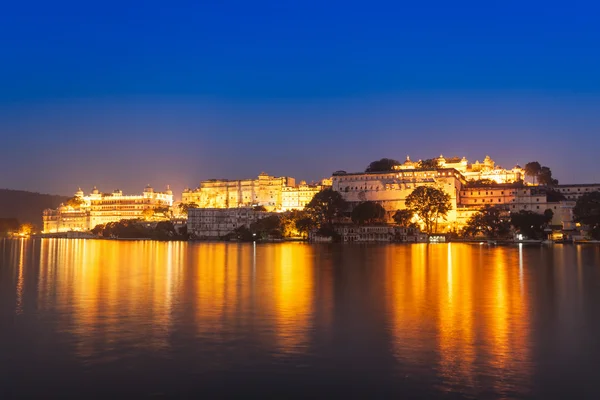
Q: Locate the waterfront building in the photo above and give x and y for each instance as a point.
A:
(273, 193)
(214, 223)
(467, 196)
(297, 197)
(264, 191)
(390, 189)
(101, 208)
(352, 233)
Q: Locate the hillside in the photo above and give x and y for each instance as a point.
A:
(27, 206)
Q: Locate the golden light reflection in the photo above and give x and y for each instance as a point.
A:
(109, 293)
(21, 277)
(293, 282)
(456, 297)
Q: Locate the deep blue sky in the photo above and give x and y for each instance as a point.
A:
(120, 94)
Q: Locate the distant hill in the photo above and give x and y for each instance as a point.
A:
(27, 206)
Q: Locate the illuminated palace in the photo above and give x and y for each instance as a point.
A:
(86, 212)
(273, 193)
(462, 182)
(487, 170)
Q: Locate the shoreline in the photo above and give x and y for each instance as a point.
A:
(488, 242)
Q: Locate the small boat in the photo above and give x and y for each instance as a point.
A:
(492, 243)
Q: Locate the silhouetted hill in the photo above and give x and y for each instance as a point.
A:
(27, 206)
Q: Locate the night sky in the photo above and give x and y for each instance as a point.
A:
(121, 94)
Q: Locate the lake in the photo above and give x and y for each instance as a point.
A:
(100, 318)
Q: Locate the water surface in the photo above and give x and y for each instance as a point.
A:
(97, 318)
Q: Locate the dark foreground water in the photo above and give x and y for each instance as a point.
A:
(91, 318)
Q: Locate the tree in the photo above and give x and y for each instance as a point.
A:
(489, 222)
(368, 212)
(533, 169)
(148, 213)
(325, 206)
(184, 207)
(74, 202)
(267, 227)
(430, 204)
(428, 165)
(554, 196)
(98, 229)
(482, 182)
(543, 174)
(383, 165)
(531, 224)
(545, 177)
(25, 228)
(304, 225)
(587, 212)
(404, 218)
(165, 211)
(259, 208)
(288, 223)
(165, 227)
(162, 212)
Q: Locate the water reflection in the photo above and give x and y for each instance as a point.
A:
(474, 312)
(111, 295)
(474, 320)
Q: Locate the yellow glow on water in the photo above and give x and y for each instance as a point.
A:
(293, 295)
(453, 297)
(109, 286)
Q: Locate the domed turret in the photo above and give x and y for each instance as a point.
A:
(148, 189)
(79, 193)
(169, 191)
(95, 190)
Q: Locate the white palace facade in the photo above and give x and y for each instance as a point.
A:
(100, 208)
(469, 186)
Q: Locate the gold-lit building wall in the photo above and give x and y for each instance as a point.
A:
(297, 197)
(265, 191)
(273, 193)
(390, 189)
(100, 208)
(486, 170)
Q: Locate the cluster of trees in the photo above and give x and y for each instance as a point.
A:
(388, 164)
(587, 212)
(383, 165)
(427, 165)
(157, 213)
(493, 222)
(277, 226)
(136, 229)
(11, 225)
(539, 173)
(429, 204)
(184, 207)
(74, 202)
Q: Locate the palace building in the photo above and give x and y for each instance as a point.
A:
(101, 208)
(470, 187)
(271, 192)
(487, 170)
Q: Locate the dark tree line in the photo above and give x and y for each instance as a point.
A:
(494, 222)
(136, 229)
(587, 212)
(540, 174)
